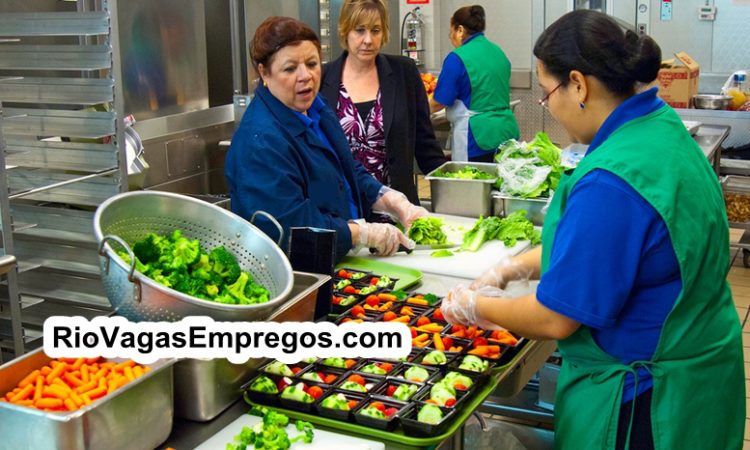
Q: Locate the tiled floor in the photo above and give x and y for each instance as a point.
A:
(739, 279)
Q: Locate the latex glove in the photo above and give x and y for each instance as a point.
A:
(501, 274)
(383, 237)
(460, 307)
(396, 204)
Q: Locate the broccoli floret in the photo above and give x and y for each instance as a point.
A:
(225, 298)
(139, 266)
(151, 248)
(185, 252)
(158, 276)
(225, 264)
(307, 427)
(275, 418)
(246, 291)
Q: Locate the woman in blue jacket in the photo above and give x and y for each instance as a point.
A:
(290, 158)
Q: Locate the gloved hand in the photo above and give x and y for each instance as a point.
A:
(460, 307)
(499, 275)
(383, 237)
(396, 204)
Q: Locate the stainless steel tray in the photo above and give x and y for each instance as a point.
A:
(138, 415)
(503, 205)
(203, 389)
(469, 198)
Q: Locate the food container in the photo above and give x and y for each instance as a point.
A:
(204, 388)
(470, 198)
(371, 381)
(413, 427)
(737, 198)
(264, 398)
(380, 424)
(504, 205)
(711, 101)
(137, 415)
(432, 372)
(304, 407)
(339, 414)
(393, 383)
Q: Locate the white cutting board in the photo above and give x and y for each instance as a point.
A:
(462, 264)
(322, 440)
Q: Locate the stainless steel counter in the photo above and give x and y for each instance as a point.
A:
(710, 138)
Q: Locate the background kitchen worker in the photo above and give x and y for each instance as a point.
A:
(474, 86)
(633, 259)
(380, 100)
(290, 158)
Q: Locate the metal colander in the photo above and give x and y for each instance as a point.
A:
(128, 217)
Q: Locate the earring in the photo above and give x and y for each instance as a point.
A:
(265, 84)
(581, 105)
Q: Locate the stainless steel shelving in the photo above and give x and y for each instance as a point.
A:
(60, 157)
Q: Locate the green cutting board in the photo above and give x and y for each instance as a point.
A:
(407, 277)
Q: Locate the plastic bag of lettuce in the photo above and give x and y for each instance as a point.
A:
(528, 170)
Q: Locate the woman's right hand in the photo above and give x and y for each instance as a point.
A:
(383, 237)
(500, 275)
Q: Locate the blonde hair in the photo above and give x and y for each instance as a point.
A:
(358, 12)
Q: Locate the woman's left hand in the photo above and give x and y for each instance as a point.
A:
(395, 203)
(460, 307)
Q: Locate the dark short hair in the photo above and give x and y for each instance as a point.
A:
(594, 44)
(276, 33)
(469, 17)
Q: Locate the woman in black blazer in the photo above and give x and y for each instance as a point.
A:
(380, 100)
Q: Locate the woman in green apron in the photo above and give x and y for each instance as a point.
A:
(474, 87)
(633, 260)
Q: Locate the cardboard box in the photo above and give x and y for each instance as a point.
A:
(678, 80)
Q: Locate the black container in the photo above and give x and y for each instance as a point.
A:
(370, 316)
(314, 250)
(325, 370)
(465, 344)
(380, 284)
(450, 357)
(379, 362)
(485, 374)
(431, 371)
(413, 355)
(416, 309)
(357, 363)
(263, 398)
(461, 395)
(413, 427)
(382, 390)
(295, 368)
(302, 406)
(341, 308)
(357, 275)
(388, 424)
(432, 300)
(373, 381)
(337, 413)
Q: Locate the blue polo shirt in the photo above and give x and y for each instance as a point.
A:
(312, 121)
(454, 84)
(613, 267)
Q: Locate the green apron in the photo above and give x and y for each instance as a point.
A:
(490, 118)
(698, 398)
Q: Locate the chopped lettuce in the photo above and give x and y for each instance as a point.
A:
(427, 231)
(465, 173)
(510, 230)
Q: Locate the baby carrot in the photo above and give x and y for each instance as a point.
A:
(23, 394)
(29, 379)
(70, 404)
(72, 380)
(39, 387)
(48, 403)
(85, 373)
(56, 372)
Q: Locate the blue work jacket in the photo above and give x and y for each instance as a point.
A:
(277, 164)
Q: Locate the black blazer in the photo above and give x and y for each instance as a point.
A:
(406, 118)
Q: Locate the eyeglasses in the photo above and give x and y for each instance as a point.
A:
(543, 101)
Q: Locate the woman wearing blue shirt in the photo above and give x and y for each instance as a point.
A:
(474, 87)
(290, 158)
(633, 259)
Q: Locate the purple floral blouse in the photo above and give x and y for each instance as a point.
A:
(366, 138)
